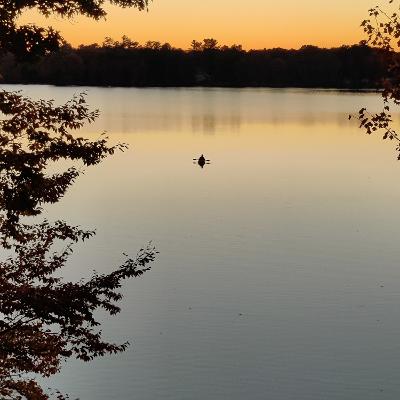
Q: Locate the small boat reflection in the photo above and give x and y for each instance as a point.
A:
(201, 161)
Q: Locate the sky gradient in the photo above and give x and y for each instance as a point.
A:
(256, 24)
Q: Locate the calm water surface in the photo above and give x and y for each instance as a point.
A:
(278, 275)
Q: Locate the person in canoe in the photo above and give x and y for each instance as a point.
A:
(201, 161)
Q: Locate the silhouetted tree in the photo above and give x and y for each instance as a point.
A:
(30, 39)
(109, 42)
(196, 46)
(127, 43)
(45, 320)
(210, 44)
(383, 31)
(153, 45)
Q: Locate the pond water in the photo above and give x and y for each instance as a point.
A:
(278, 275)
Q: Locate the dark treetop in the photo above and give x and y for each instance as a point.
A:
(32, 40)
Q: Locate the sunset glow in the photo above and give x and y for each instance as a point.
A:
(256, 24)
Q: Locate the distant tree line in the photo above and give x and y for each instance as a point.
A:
(206, 63)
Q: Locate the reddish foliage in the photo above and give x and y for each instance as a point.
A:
(383, 31)
(44, 320)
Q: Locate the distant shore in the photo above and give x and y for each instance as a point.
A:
(289, 88)
(356, 67)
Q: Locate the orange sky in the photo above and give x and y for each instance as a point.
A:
(255, 24)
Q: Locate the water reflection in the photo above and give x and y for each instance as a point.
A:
(212, 111)
(44, 320)
(290, 227)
